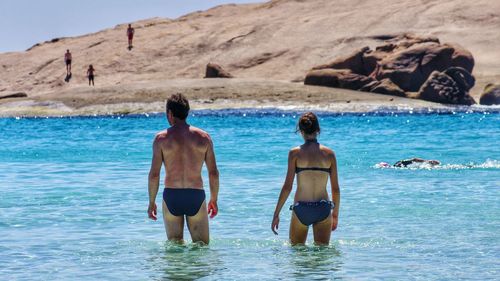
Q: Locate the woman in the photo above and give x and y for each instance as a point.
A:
(90, 74)
(313, 163)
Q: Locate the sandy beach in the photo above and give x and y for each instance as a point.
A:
(147, 97)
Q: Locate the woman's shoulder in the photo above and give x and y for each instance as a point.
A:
(294, 151)
(327, 150)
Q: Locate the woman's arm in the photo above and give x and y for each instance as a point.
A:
(334, 182)
(285, 190)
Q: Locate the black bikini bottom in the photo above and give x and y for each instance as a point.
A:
(312, 212)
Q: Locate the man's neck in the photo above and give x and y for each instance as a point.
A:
(179, 123)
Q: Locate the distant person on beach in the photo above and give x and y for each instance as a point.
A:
(407, 162)
(183, 149)
(67, 59)
(314, 164)
(130, 36)
(90, 74)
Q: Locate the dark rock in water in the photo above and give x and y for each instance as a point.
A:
(490, 95)
(216, 71)
(15, 95)
(337, 78)
(451, 86)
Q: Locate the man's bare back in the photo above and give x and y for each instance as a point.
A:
(183, 149)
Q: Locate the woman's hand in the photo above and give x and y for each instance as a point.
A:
(275, 224)
(335, 222)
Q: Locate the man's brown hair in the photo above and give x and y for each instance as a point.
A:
(178, 105)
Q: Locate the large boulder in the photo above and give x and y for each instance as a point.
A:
(451, 86)
(402, 64)
(337, 78)
(216, 71)
(409, 68)
(490, 95)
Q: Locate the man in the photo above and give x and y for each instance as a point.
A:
(183, 149)
(67, 60)
(130, 35)
(407, 162)
(90, 74)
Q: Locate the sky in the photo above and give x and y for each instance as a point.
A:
(24, 23)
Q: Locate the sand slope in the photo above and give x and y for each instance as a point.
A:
(278, 40)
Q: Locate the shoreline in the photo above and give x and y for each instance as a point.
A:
(218, 94)
(134, 110)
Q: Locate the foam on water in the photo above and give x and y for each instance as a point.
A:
(54, 109)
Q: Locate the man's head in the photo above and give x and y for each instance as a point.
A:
(129, 25)
(67, 51)
(177, 108)
(434, 162)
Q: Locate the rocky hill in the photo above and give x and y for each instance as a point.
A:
(277, 40)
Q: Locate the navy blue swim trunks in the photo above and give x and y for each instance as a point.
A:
(183, 201)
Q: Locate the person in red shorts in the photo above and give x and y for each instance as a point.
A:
(130, 35)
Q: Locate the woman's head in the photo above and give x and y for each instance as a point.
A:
(308, 124)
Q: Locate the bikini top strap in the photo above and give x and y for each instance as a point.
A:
(300, 169)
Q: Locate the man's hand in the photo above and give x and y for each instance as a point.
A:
(212, 209)
(152, 211)
(275, 224)
(335, 222)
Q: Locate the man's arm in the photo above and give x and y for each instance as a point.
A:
(285, 191)
(213, 176)
(154, 177)
(334, 182)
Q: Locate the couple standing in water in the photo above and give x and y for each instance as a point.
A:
(183, 149)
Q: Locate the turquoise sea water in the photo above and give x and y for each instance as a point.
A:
(74, 199)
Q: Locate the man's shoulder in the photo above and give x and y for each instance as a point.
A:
(199, 132)
(162, 135)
